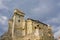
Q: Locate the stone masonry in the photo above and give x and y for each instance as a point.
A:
(26, 29)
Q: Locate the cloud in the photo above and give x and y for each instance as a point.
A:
(55, 21)
(3, 24)
(3, 20)
(58, 3)
(57, 33)
(41, 9)
(44, 6)
(2, 6)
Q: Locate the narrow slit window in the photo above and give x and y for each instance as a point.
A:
(35, 27)
(18, 20)
(39, 28)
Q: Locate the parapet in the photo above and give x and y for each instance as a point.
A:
(37, 21)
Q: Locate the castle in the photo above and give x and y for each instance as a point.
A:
(26, 29)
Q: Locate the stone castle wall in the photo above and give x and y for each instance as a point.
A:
(29, 29)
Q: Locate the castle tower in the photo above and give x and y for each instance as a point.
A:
(17, 24)
(29, 26)
(30, 29)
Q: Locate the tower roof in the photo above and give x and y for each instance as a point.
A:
(16, 11)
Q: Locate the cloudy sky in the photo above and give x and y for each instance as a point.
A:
(47, 11)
